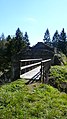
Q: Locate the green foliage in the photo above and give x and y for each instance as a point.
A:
(26, 39)
(18, 101)
(60, 77)
(60, 59)
(59, 41)
(55, 39)
(59, 71)
(63, 58)
(19, 42)
(47, 37)
(10, 46)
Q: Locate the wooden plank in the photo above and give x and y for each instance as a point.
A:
(30, 60)
(31, 74)
(31, 65)
(45, 61)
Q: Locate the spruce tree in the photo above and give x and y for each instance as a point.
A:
(26, 39)
(47, 37)
(19, 43)
(62, 42)
(55, 40)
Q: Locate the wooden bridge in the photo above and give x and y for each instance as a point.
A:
(33, 69)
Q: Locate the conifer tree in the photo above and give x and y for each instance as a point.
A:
(47, 37)
(26, 39)
(62, 42)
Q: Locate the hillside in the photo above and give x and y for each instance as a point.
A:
(58, 78)
(36, 101)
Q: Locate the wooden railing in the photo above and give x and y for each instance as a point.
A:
(44, 71)
(45, 66)
(27, 65)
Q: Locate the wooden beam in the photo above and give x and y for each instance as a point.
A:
(27, 60)
(31, 65)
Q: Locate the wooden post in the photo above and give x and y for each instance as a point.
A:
(43, 74)
(15, 70)
(45, 67)
(25, 65)
(46, 76)
(20, 67)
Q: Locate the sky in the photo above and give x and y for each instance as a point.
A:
(33, 17)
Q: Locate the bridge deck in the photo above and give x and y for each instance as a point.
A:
(31, 74)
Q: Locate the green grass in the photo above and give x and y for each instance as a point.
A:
(62, 58)
(60, 72)
(60, 77)
(36, 101)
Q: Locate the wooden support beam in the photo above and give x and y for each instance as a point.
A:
(45, 66)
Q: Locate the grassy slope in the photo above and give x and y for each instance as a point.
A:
(60, 77)
(37, 101)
